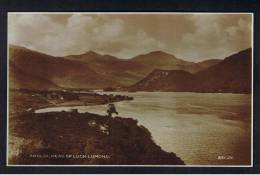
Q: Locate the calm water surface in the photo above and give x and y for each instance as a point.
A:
(201, 128)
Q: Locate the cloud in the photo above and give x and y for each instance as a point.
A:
(79, 34)
(216, 36)
(193, 37)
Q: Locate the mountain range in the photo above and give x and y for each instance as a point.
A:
(233, 74)
(62, 72)
(34, 70)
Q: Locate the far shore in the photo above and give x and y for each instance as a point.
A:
(30, 100)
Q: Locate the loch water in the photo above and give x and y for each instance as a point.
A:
(201, 128)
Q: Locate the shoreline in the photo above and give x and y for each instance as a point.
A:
(30, 100)
(40, 138)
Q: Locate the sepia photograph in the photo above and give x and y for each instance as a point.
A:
(130, 89)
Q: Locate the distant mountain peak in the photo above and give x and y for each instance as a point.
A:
(155, 55)
(97, 55)
(160, 53)
(92, 53)
(89, 55)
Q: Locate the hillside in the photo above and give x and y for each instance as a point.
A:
(164, 61)
(160, 59)
(19, 79)
(233, 74)
(55, 70)
(122, 71)
(165, 80)
(93, 139)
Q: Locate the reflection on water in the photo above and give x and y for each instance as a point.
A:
(202, 129)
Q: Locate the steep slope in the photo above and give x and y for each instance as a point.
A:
(165, 80)
(60, 71)
(19, 79)
(233, 74)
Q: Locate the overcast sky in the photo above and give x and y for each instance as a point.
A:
(193, 37)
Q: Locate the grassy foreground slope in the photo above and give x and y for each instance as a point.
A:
(85, 139)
